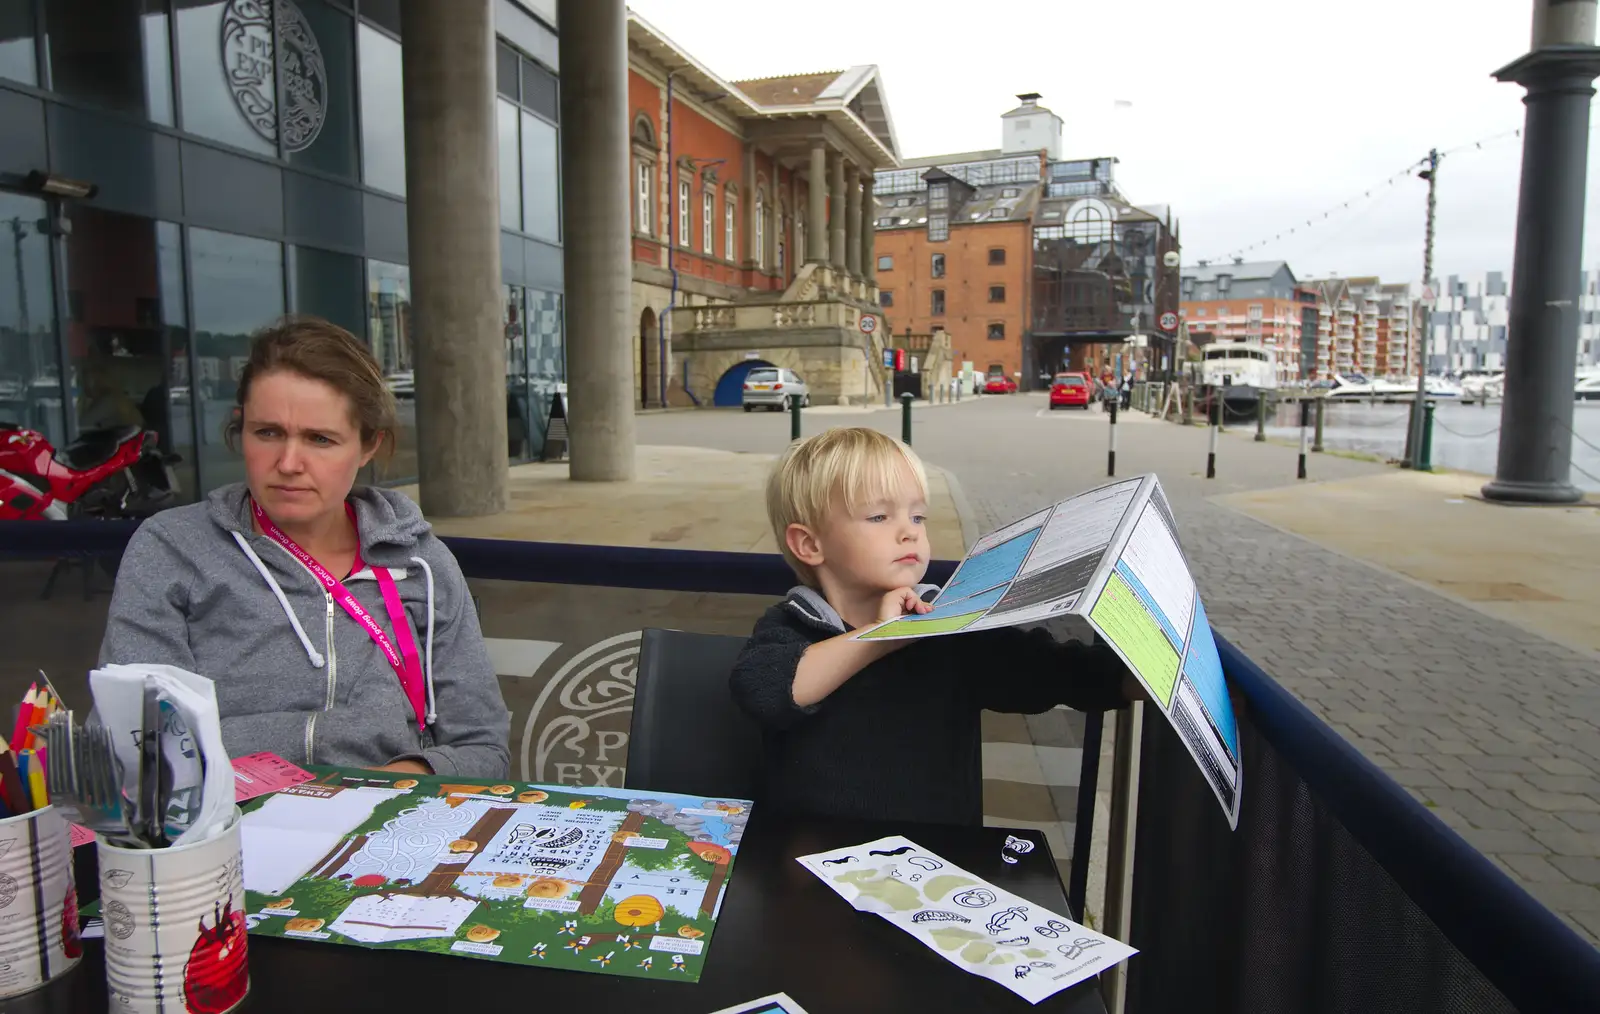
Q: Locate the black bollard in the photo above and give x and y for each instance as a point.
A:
(1216, 422)
(794, 418)
(1111, 455)
(1305, 421)
(1261, 417)
(1316, 445)
(905, 418)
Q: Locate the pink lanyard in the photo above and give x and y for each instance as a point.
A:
(407, 666)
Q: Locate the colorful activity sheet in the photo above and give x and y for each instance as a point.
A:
(777, 1003)
(973, 924)
(1111, 556)
(588, 879)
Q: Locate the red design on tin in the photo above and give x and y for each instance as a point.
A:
(71, 943)
(217, 973)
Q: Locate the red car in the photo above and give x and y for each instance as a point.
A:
(1069, 389)
(999, 383)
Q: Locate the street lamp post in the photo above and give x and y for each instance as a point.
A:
(1169, 260)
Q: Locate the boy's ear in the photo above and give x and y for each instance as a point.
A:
(803, 544)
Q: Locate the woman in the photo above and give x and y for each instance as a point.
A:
(304, 597)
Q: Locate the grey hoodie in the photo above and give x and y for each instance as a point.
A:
(198, 588)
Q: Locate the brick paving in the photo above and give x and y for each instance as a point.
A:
(1495, 728)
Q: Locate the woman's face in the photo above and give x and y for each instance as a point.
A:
(302, 448)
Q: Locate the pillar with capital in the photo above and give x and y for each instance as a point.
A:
(869, 231)
(852, 224)
(817, 207)
(836, 213)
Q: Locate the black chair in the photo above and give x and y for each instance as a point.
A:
(688, 735)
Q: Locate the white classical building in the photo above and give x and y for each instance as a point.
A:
(1471, 314)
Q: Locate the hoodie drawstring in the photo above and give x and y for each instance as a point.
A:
(317, 661)
(427, 663)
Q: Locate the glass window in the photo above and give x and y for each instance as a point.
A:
(519, 420)
(30, 373)
(939, 195)
(730, 237)
(997, 255)
(759, 253)
(316, 60)
(885, 297)
(505, 71)
(98, 53)
(997, 293)
(642, 180)
(683, 212)
(547, 358)
(389, 334)
(886, 263)
(383, 144)
(938, 302)
(226, 74)
(539, 91)
(708, 203)
(541, 179)
(997, 332)
(328, 285)
(938, 228)
(510, 152)
(383, 12)
(238, 288)
(937, 265)
(17, 60)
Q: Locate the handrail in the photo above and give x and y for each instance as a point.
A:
(1472, 902)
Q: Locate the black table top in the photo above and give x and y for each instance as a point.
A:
(780, 930)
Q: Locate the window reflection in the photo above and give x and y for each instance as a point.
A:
(547, 359)
(389, 331)
(17, 60)
(30, 375)
(114, 56)
(226, 78)
(238, 289)
(328, 285)
(317, 62)
(510, 148)
(383, 148)
(519, 420)
(541, 191)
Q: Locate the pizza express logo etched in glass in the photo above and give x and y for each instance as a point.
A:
(299, 104)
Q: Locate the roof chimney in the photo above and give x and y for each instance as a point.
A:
(1238, 260)
(1029, 98)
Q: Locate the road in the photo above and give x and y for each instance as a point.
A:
(1492, 726)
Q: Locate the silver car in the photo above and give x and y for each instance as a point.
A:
(774, 388)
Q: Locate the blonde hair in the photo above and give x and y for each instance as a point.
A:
(847, 466)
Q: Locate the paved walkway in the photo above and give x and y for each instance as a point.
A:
(1432, 688)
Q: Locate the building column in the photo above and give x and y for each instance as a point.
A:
(816, 206)
(852, 224)
(869, 231)
(596, 255)
(453, 232)
(748, 227)
(836, 213)
(1535, 456)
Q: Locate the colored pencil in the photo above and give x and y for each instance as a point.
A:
(11, 783)
(24, 716)
(36, 793)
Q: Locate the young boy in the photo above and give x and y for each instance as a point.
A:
(886, 730)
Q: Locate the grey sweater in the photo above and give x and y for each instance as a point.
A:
(199, 589)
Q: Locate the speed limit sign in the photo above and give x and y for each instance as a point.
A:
(1169, 321)
(869, 323)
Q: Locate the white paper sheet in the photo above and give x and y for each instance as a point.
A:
(976, 926)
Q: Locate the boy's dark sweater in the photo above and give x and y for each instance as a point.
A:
(900, 740)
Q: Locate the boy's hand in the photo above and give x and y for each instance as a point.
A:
(900, 602)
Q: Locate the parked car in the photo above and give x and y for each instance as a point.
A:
(774, 388)
(1069, 390)
(999, 383)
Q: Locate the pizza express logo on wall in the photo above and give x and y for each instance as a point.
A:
(299, 104)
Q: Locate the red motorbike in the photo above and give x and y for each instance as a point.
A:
(119, 472)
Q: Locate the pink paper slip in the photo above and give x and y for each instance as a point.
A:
(261, 773)
(255, 775)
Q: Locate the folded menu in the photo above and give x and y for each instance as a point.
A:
(973, 924)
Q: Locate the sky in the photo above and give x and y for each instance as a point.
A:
(1247, 117)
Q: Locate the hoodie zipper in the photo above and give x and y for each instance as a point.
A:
(333, 682)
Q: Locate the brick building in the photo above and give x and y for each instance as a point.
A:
(1364, 326)
(1258, 302)
(724, 214)
(1029, 262)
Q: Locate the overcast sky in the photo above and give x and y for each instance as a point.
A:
(1247, 116)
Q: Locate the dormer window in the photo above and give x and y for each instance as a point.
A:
(939, 195)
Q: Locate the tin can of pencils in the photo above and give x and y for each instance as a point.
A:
(38, 902)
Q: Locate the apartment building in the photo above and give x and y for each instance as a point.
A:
(1257, 302)
(1470, 318)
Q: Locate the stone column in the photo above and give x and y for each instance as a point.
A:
(816, 205)
(596, 255)
(749, 227)
(869, 231)
(836, 213)
(453, 232)
(852, 225)
(1535, 457)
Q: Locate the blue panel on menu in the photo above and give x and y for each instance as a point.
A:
(1204, 670)
(996, 567)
